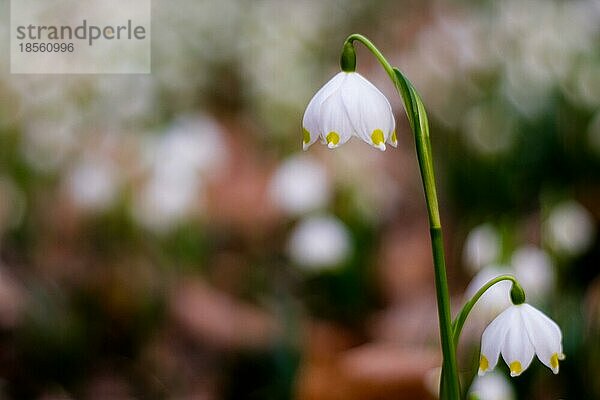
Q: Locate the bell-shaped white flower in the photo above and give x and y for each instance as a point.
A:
(518, 333)
(319, 242)
(569, 229)
(493, 386)
(300, 185)
(349, 105)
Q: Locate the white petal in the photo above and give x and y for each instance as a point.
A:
(492, 340)
(368, 109)
(310, 121)
(545, 335)
(301, 184)
(517, 349)
(334, 121)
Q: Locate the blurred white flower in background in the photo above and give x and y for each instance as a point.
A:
(482, 247)
(93, 182)
(495, 300)
(191, 38)
(37, 93)
(193, 144)
(49, 140)
(197, 39)
(492, 386)
(272, 47)
(300, 185)
(164, 202)
(191, 152)
(319, 243)
(569, 228)
(537, 57)
(534, 269)
(451, 46)
(489, 128)
(516, 43)
(59, 114)
(118, 102)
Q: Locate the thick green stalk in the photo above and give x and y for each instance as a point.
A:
(418, 121)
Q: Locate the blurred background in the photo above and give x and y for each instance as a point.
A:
(163, 236)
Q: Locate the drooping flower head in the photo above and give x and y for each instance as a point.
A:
(518, 333)
(349, 105)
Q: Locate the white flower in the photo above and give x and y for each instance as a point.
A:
(164, 201)
(518, 333)
(482, 246)
(193, 144)
(191, 152)
(93, 183)
(493, 386)
(489, 129)
(300, 185)
(349, 105)
(319, 242)
(535, 271)
(569, 229)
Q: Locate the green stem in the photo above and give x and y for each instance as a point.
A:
(369, 45)
(459, 322)
(418, 121)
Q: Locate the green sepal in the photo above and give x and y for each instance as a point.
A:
(348, 58)
(517, 294)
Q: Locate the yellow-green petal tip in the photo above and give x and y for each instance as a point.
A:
(333, 139)
(305, 136)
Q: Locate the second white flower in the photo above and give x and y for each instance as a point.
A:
(518, 333)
